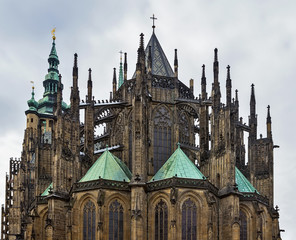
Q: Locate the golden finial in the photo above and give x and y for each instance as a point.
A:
(53, 33)
(32, 84)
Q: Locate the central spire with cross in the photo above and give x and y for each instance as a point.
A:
(153, 19)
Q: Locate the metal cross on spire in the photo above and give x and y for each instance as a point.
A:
(153, 18)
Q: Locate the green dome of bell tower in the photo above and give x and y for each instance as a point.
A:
(50, 83)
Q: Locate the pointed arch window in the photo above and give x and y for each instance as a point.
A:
(244, 226)
(89, 221)
(162, 137)
(189, 222)
(115, 221)
(161, 221)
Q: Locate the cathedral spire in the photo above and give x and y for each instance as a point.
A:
(203, 84)
(216, 94)
(176, 64)
(228, 87)
(268, 123)
(75, 72)
(114, 81)
(253, 117)
(75, 99)
(120, 78)
(125, 66)
(141, 54)
(89, 87)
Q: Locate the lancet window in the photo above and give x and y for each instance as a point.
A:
(162, 137)
(189, 220)
(244, 226)
(115, 221)
(161, 221)
(89, 221)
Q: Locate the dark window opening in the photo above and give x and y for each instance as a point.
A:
(189, 223)
(89, 221)
(115, 221)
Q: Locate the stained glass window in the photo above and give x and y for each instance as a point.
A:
(189, 225)
(161, 221)
(115, 221)
(89, 221)
(244, 226)
(162, 137)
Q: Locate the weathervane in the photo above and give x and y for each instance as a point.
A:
(32, 84)
(53, 33)
(121, 55)
(153, 18)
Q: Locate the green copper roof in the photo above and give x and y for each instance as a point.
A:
(46, 192)
(53, 52)
(33, 105)
(108, 167)
(120, 81)
(243, 183)
(178, 165)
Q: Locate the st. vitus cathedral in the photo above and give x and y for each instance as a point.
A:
(166, 164)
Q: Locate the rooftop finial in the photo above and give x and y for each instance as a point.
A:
(32, 85)
(53, 34)
(228, 72)
(75, 59)
(268, 114)
(141, 41)
(203, 71)
(153, 19)
(216, 54)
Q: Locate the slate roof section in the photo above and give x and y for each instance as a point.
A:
(108, 167)
(160, 63)
(178, 165)
(243, 183)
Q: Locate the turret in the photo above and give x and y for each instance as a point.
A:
(176, 64)
(114, 83)
(268, 123)
(228, 87)
(253, 116)
(89, 87)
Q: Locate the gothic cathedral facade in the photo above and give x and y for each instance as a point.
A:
(165, 164)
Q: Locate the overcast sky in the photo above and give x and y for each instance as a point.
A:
(256, 38)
